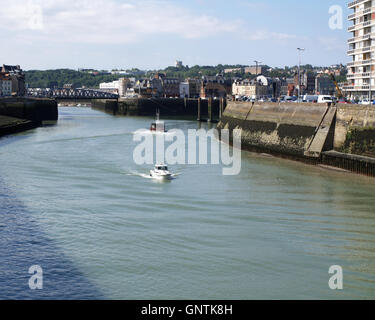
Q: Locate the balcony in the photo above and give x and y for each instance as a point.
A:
(366, 49)
(356, 88)
(355, 3)
(360, 75)
(360, 63)
(367, 23)
(361, 13)
(361, 25)
(367, 36)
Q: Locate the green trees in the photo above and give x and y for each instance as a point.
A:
(59, 77)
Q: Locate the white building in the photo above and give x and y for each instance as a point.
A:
(119, 86)
(109, 85)
(361, 50)
(119, 72)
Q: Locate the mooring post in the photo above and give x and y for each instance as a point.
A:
(221, 108)
(199, 109)
(210, 113)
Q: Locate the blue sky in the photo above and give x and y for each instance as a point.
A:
(151, 34)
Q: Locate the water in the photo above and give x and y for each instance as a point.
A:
(73, 201)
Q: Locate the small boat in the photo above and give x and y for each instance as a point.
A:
(158, 126)
(160, 172)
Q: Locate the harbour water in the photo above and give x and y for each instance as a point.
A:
(73, 201)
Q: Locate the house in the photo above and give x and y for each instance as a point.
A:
(190, 88)
(17, 76)
(215, 86)
(171, 86)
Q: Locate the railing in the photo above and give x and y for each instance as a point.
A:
(359, 63)
(358, 75)
(354, 3)
(71, 93)
(353, 87)
(360, 13)
(360, 25)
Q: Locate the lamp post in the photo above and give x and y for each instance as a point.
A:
(299, 72)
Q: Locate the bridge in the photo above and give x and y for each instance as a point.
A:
(70, 93)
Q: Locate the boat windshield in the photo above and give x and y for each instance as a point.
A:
(162, 168)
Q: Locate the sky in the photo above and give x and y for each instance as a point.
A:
(153, 34)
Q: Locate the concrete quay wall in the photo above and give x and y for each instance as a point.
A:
(20, 114)
(355, 130)
(148, 107)
(307, 131)
(37, 110)
(280, 128)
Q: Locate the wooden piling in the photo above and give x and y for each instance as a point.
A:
(221, 108)
(199, 109)
(210, 113)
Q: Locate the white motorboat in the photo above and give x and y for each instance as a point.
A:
(160, 172)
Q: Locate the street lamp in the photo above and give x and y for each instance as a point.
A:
(299, 72)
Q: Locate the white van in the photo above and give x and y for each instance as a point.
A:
(310, 98)
(325, 99)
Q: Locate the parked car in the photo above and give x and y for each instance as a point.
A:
(365, 102)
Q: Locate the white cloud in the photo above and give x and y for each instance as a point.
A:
(114, 22)
(98, 21)
(258, 35)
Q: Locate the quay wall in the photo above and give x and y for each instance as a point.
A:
(286, 128)
(336, 135)
(33, 109)
(20, 114)
(355, 130)
(148, 107)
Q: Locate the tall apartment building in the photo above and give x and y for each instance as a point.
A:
(361, 75)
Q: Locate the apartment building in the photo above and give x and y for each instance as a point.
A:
(5, 85)
(361, 68)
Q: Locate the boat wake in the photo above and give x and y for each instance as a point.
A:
(148, 176)
(154, 133)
